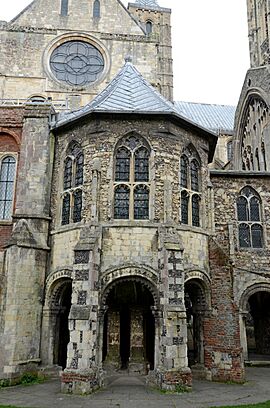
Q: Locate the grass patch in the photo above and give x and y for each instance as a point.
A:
(260, 405)
(28, 378)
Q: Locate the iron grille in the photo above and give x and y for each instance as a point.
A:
(7, 178)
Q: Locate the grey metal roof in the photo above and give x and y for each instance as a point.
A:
(214, 117)
(128, 92)
(147, 3)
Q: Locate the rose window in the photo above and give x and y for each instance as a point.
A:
(77, 63)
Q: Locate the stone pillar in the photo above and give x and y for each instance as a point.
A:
(26, 253)
(83, 375)
(173, 370)
(113, 340)
(137, 358)
(243, 334)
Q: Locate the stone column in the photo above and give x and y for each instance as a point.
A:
(173, 370)
(82, 375)
(113, 340)
(137, 358)
(26, 253)
(243, 334)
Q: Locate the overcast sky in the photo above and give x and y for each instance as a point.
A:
(210, 47)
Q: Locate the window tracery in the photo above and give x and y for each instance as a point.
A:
(190, 187)
(250, 230)
(131, 179)
(72, 185)
(7, 180)
(255, 130)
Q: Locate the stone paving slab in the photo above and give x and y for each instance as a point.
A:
(131, 392)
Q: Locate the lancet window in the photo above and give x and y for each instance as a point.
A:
(190, 186)
(250, 230)
(131, 179)
(72, 185)
(7, 181)
(96, 9)
(64, 7)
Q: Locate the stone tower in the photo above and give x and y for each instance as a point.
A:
(258, 27)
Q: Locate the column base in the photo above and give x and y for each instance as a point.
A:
(175, 381)
(81, 381)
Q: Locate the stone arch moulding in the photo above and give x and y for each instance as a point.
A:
(12, 134)
(145, 275)
(205, 281)
(251, 290)
(52, 283)
(73, 36)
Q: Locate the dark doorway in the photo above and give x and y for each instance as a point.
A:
(195, 309)
(129, 327)
(258, 326)
(61, 327)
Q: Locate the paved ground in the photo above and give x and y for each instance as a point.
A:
(130, 392)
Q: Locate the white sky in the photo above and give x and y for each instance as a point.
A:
(210, 47)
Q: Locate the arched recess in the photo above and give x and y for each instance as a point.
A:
(255, 322)
(252, 148)
(197, 302)
(128, 332)
(55, 329)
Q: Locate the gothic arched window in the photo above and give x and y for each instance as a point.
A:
(190, 186)
(64, 7)
(250, 230)
(131, 200)
(72, 184)
(149, 27)
(96, 9)
(7, 179)
(229, 150)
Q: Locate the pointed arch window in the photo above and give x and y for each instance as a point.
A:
(250, 230)
(131, 200)
(190, 187)
(7, 180)
(149, 27)
(73, 179)
(96, 9)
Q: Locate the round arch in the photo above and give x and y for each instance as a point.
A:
(251, 290)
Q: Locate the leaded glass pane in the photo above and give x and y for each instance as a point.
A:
(242, 209)
(142, 164)
(149, 27)
(184, 172)
(64, 7)
(244, 236)
(96, 9)
(194, 172)
(66, 209)
(77, 209)
(79, 170)
(141, 203)
(7, 177)
(122, 164)
(195, 210)
(257, 236)
(121, 202)
(77, 63)
(184, 207)
(229, 151)
(254, 209)
(68, 173)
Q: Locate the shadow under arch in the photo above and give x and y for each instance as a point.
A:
(197, 303)
(55, 328)
(255, 321)
(128, 337)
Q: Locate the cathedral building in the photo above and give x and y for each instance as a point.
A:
(134, 230)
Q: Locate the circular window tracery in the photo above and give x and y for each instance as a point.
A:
(77, 63)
